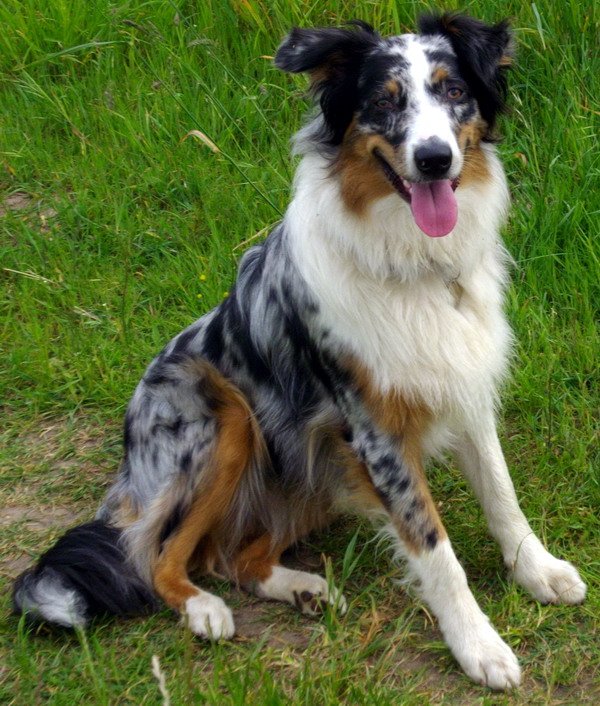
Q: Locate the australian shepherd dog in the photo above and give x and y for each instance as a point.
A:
(365, 335)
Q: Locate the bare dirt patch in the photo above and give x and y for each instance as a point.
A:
(23, 202)
(15, 202)
(51, 517)
(253, 621)
(52, 463)
(23, 527)
(31, 210)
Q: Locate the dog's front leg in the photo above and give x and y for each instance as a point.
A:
(548, 579)
(396, 473)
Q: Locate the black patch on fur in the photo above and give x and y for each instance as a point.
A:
(439, 56)
(171, 523)
(371, 436)
(431, 538)
(185, 461)
(184, 338)
(467, 113)
(255, 363)
(417, 504)
(252, 267)
(239, 331)
(335, 57)
(157, 376)
(384, 497)
(175, 426)
(385, 465)
(128, 440)
(317, 369)
(276, 465)
(272, 297)
(206, 391)
(402, 485)
(213, 344)
(174, 359)
(378, 70)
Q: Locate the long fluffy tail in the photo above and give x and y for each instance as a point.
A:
(85, 574)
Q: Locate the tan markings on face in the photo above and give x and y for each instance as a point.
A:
(362, 180)
(505, 60)
(408, 420)
(392, 87)
(475, 167)
(440, 74)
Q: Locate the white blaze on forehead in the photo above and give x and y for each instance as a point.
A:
(428, 117)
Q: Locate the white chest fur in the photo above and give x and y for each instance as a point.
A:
(423, 315)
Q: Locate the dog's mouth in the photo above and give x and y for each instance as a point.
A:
(432, 203)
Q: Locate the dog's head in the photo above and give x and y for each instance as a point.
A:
(405, 113)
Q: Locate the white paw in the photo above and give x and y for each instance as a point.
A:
(308, 592)
(207, 616)
(485, 657)
(477, 647)
(548, 579)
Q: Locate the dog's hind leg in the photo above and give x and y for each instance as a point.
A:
(548, 579)
(207, 615)
(257, 568)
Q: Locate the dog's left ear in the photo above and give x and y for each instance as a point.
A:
(484, 52)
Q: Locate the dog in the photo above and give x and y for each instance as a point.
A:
(365, 335)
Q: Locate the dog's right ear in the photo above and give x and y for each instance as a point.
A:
(333, 58)
(312, 49)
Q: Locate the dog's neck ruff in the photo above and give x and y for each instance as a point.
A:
(382, 286)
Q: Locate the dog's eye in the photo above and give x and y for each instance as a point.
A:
(384, 104)
(454, 93)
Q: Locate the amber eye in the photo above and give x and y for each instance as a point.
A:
(384, 104)
(454, 93)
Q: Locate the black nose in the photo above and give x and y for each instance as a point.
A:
(433, 158)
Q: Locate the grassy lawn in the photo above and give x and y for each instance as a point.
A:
(117, 230)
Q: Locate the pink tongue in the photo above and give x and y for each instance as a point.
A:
(434, 207)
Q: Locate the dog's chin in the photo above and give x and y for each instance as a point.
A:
(432, 203)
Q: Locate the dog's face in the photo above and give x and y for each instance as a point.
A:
(406, 113)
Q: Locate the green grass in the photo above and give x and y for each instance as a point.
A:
(122, 231)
